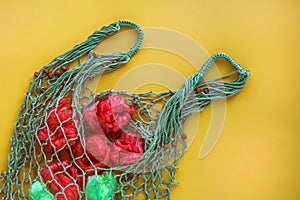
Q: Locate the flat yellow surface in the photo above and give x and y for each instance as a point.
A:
(257, 155)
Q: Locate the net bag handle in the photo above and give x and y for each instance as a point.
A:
(93, 66)
(194, 96)
(92, 41)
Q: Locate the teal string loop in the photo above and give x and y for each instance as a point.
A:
(138, 44)
(186, 100)
(214, 57)
(98, 36)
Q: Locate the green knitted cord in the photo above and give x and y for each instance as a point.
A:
(152, 177)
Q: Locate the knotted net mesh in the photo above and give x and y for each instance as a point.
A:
(72, 143)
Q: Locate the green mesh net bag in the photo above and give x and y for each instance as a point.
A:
(72, 143)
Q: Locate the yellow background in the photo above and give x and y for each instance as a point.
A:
(257, 156)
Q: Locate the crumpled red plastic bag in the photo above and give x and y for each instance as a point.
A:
(107, 145)
(113, 114)
(60, 128)
(58, 176)
(115, 153)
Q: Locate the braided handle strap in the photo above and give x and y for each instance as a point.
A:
(196, 95)
(113, 28)
(88, 45)
(94, 65)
